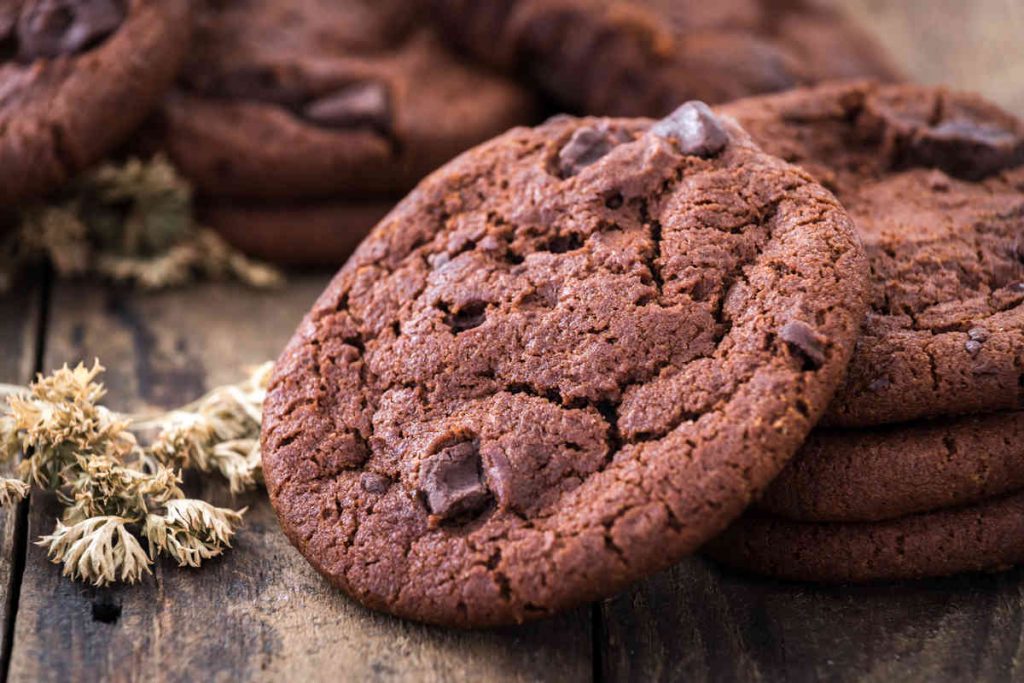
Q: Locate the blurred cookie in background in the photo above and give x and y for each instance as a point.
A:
(289, 103)
(76, 78)
(644, 57)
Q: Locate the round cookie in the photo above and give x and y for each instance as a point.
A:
(76, 78)
(288, 99)
(567, 359)
(306, 234)
(935, 183)
(644, 57)
(988, 536)
(890, 472)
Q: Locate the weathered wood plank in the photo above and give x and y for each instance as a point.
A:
(260, 613)
(973, 45)
(698, 622)
(20, 311)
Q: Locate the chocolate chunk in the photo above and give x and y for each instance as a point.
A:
(968, 149)
(973, 347)
(50, 28)
(586, 146)
(802, 339)
(371, 482)
(450, 481)
(695, 128)
(366, 104)
(978, 334)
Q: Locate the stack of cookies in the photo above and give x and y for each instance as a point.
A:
(918, 467)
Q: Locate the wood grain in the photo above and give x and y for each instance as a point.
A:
(20, 313)
(260, 613)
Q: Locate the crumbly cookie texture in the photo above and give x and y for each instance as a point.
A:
(870, 475)
(563, 362)
(988, 536)
(934, 181)
(67, 69)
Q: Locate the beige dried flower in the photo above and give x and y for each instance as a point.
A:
(191, 531)
(131, 222)
(99, 550)
(12, 491)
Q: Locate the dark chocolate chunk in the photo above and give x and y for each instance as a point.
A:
(695, 128)
(802, 339)
(586, 146)
(978, 334)
(371, 482)
(50, 28)
(365, 104)
(973, 347)
(967, 149)
(450, 481)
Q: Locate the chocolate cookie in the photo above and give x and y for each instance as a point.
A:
(304, 234)
(889, 472)
(644, 57)
(76, 78)
(564, 361)
(988, 536)
(935, 182)
(325, 99)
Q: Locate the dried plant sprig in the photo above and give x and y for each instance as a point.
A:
(191, 531)
(113, 485)
(131, 222)
(99, 550)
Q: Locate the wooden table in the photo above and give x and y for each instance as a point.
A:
(261, 613)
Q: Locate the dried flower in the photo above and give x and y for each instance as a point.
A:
(132, 222)
(112, 485)
(191, 531)
(100, 550)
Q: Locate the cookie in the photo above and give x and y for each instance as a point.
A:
(563, 362)
(282, 100)
(935, 182)
(889, 472)
(76, 78)
(988, 536)
(644, 57)
(305, 234)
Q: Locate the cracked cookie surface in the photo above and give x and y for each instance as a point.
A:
(304, 99)
(563, 362)
(867, 475)
(67, 70)
(935, 183)
(644, 57)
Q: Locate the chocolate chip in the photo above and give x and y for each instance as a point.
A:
(802, 339)
(586, 146)
(695, 128)
(978, 334)
(365, 104)
(967, 149)
(371, 482)
(450, 481)
(973, 347)
(50, 28)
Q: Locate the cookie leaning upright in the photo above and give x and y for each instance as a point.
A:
(563, 362)
(644, 57)
(76, 78)
(935, 183)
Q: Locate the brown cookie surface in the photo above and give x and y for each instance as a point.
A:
(935, 183)
(988, 536)
(326, 99)
(564, 361)
(871, 475)
(76, 78)
(321, 233)
(644, 57)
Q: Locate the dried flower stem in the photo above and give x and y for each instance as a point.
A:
(113, 486)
